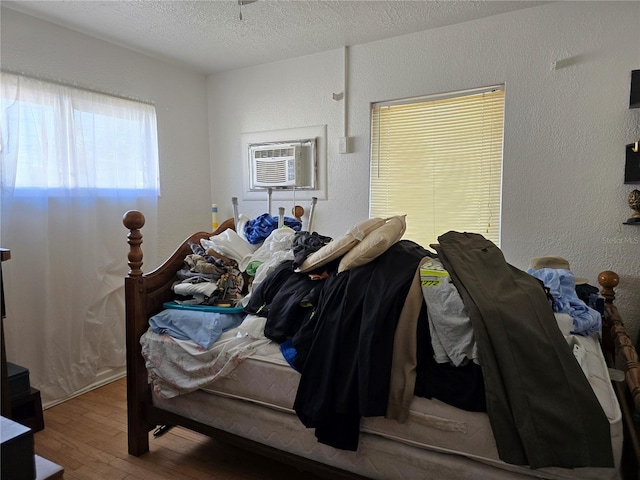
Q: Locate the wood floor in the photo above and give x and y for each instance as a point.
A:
(87, 436)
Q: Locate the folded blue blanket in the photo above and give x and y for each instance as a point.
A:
(204, 328)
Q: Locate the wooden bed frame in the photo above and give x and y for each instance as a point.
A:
(146, 292)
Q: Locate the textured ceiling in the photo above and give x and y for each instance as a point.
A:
(209, 36)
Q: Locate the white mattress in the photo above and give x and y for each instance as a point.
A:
(255, 400)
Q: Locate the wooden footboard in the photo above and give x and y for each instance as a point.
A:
(146, 292)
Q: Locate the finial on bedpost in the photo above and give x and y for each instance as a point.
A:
(608, 280)
(134, 221)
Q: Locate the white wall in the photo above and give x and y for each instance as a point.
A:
(565, 131)
(564, 136)
(46, 50)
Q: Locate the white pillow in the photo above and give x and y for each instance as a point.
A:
(340, 246)
(374, 244)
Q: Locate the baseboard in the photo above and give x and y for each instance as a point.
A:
(103, 377)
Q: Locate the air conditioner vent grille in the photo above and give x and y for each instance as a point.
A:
(272, 172)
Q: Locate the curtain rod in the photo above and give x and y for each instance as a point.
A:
(78, 87)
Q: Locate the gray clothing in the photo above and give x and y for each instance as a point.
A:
(452, 336)
(542, 409)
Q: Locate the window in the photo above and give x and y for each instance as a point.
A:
(439, 160)
(59, 137)
(72, 162)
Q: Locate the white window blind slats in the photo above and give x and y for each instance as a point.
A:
(440, 162)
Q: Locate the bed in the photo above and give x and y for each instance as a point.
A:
(252, 405)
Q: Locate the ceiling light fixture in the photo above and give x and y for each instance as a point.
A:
(241, 3)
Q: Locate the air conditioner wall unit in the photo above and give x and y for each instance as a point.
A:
(277, 165)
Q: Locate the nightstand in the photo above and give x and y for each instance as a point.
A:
(18, 460)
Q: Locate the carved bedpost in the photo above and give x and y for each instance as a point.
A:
(134, 221)
(620, 353)
(136, 324)
(614, 331)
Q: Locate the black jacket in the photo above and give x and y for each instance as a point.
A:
(347, 370)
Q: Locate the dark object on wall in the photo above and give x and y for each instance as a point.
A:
(632, 164)
(634, 97)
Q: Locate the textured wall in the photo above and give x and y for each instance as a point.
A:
(565, 131)
(564, 136)
(46, 50)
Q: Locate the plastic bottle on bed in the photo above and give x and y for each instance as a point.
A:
(214, 217)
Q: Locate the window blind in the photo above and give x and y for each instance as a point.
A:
(439, 161)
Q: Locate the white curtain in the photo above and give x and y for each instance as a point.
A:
(73, 161)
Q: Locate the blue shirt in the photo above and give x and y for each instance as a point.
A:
(562, 286)
(204, 328)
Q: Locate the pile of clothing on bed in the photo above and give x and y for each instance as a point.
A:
(370, 320)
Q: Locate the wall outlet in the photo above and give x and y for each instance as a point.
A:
(343, 145)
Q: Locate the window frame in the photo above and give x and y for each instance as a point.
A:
(379, 148)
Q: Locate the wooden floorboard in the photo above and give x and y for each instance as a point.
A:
(87, 436)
